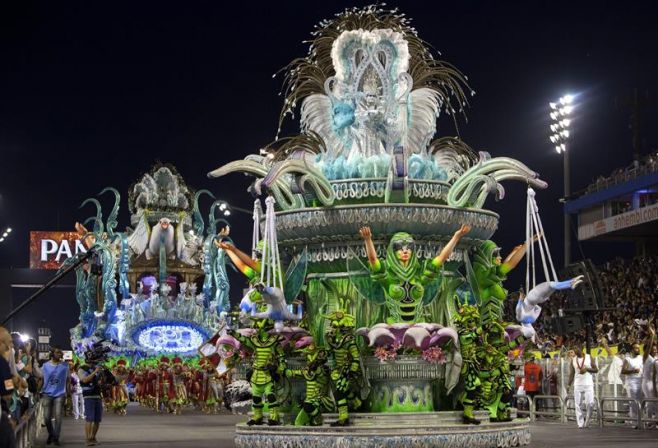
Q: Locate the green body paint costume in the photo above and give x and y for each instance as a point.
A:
(489, 276)
(468, 328)
(496, 372)
(267, 365)
(316, 375)
(346, 367)
(404, 285)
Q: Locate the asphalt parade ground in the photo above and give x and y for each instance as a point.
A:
(143, 428)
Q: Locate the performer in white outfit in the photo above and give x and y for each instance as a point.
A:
(633, 371)
(76, 397)
(582, 367)
(648, 373)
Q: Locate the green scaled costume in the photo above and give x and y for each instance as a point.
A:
(316, 375)
(267, 365)
(495, 370)
(405, 285)
(469, 331)
(489, 276)
(346, 369)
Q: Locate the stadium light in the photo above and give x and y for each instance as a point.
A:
(5, 234)
(559, 114)
(560, 111)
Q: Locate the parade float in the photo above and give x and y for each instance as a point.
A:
(401, 341)
(374, 312)
(159, 287)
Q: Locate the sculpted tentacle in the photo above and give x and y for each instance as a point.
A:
(98, 223)
(112, 221)
(199, 225)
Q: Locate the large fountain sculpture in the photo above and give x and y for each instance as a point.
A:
(390, 223)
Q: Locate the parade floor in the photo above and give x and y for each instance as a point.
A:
(142, 428)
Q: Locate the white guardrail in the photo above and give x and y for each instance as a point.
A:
(605, 410)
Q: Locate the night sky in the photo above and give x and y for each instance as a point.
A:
(93, 93)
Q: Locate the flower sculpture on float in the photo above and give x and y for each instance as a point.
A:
(389, 339)
(434, 355)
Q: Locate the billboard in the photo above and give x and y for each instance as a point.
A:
(618, 222)
(48, 250)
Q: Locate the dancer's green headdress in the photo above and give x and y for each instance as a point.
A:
(393, 264)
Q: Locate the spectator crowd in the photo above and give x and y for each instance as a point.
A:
(628, 286)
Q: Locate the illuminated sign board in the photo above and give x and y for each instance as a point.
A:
(618, 222)
(49, 250)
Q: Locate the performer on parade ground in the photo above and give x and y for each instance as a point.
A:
(76, 394)
(580, 375)
(53, 393)
(179, 377)
(650, 357)
(165, 387)
(633, 370)
(120, 390)
(91, 393)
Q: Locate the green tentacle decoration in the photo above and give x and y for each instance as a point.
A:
(99, 228)
(285, 198)
(112, 220)
(310, 178)
(199, 225)
(473, 187)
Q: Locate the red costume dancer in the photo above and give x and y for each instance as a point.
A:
(140, 384)
(166, 393)
(213, 389)
(192, 387)
(120, 389)
(179, 377)
(152, 389)
(197, 385)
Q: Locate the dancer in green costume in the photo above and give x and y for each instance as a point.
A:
(490, 271)
(316, 375)
(346, 370)
(268, 363)
(403, 277)
(470, 332)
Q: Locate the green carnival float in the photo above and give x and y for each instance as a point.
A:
(375, 267)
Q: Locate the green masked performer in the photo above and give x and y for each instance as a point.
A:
(489, 273)
(346, 370)
(316, 375)
(267, 365)
(496, 391)
(467, 322)
(402, 276)
(252, 267)
(248, 266)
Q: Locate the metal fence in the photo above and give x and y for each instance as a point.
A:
(611, 404)
(29, 427)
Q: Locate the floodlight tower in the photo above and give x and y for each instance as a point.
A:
(560, 121)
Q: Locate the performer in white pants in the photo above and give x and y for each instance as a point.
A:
(76, 397)
(648, 372)
(580, 374)
(633, 370)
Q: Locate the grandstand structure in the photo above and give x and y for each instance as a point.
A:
(621, 207)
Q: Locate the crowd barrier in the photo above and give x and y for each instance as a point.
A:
(29, 427)
(562, 409)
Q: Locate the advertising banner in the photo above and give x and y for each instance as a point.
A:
(48, 250)
(618, 222)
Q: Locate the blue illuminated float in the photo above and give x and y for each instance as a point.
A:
(139, 292)
(169, 336)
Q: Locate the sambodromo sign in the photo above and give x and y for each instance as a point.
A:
(623, 221)
(49, 250)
